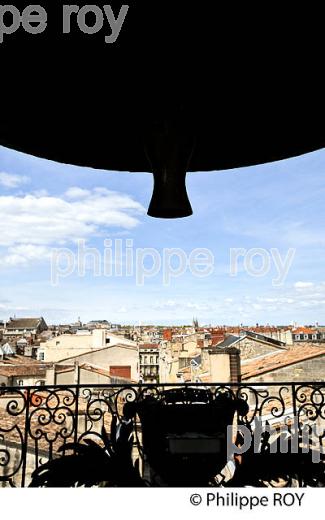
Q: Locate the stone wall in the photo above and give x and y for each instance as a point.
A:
(111, 356)
(249, 348)
(86, 377)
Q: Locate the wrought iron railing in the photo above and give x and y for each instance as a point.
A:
(38, 423)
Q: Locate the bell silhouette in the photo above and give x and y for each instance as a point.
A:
(193, 103)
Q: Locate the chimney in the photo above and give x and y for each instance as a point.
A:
(76, 374)
(235, 373)
(224, 365)
(99, 338)
(50, 376)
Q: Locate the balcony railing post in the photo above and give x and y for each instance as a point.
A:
(76, 418)
(25, 443)
(294, 404)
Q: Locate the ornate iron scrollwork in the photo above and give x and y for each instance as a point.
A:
(51, 432)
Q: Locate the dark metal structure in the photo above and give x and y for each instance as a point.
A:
(161, 435)
(186, 87)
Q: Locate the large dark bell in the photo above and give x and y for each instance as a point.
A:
(240, 80)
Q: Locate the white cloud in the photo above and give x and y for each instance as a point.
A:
(169, 304)
(10, 180)
(24, 254)
(77, 193)
(288, 303)
(304, 295)
(182, 305)
(31, 224)
(44, 220)
(303, 285)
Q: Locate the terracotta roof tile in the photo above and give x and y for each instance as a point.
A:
(303, 330)
(22, 370)
(282, 359)
(148, 345)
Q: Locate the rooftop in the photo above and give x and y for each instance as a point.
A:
(23, 370)
(264, 364)
(23, 323)
(149, 346)
(303, 330)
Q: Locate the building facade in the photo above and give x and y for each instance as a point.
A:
(149, 362)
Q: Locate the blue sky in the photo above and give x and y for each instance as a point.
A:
(45, 206)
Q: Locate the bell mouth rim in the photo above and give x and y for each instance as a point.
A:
(172, 213)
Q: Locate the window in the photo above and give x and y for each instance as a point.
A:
(184, 362)
(41, 382)
(20, 382)
(297, 337)
(41, 356)
(305, 336)
(57, 343)
(151, 360)
(314, 336)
